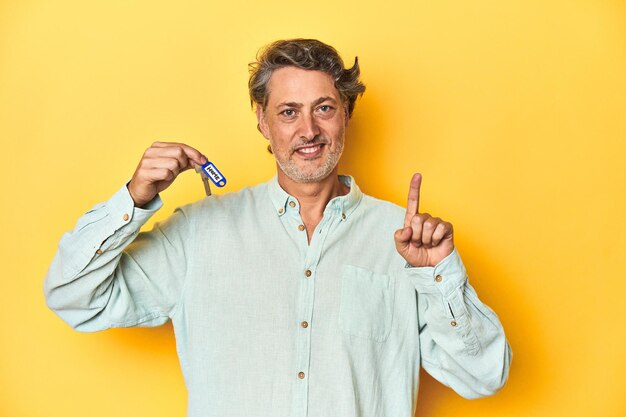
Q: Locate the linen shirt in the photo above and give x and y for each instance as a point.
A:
(270, 324)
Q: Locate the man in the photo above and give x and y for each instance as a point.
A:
(296, 297)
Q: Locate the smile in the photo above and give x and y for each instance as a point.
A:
(310, 151)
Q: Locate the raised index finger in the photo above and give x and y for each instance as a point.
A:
(413, 204)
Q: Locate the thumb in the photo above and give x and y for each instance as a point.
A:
(403, 238)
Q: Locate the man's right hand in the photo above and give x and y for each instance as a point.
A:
(159, 166)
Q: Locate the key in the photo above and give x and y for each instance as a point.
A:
(205, 179)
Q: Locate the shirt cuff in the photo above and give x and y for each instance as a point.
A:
(124, 214)
(448, 275)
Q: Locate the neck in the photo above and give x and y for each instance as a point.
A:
(313, 196)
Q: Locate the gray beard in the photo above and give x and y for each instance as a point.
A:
(291, 169)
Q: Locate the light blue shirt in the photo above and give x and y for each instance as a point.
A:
(268, 324)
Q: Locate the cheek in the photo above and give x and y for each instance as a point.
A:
(334, 130)
(335, 125)
(281, 139)
(282, 131)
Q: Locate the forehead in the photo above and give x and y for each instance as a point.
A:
(291, 84)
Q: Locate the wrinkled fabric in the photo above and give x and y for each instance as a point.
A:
(268, 324)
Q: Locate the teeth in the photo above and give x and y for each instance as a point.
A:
(309, 150)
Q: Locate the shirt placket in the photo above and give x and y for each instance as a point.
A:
(306, 297)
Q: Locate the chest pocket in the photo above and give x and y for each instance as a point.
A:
(367, 299)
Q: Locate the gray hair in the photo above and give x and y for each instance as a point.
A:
(308, 54)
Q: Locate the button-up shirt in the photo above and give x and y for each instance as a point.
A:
(270, 324)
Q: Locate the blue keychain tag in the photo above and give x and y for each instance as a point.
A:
(214, 174)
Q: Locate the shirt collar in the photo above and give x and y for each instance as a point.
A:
(344, 205)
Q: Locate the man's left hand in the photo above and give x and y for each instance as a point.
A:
(424, 240)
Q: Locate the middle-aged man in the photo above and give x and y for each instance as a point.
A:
(300, 296)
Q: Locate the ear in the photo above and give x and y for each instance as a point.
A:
(262, 123)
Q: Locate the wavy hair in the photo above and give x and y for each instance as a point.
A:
(308, 54)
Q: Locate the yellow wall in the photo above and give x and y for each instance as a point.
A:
(514, 111)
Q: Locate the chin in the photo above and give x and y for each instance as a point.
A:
(306, 177)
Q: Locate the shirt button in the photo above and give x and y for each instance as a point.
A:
(343, 216)
(307, 273)
(280, 210)
(125, 217)
(292, 204)
(304, 324)
(438, 278)
(99, 251)
(453, 323)
(301, 227)
(301, 375)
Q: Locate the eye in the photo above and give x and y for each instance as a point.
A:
(325, 110)
(289, 113)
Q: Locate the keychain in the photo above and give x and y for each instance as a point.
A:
(210, 171)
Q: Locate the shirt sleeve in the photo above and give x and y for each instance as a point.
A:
(462, 341)
(107, 274)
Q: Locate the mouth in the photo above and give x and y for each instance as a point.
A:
(310, 151)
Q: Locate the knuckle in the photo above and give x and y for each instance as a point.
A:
(173, 164)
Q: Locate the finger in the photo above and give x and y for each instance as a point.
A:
(428, 230)
(402, 237)
(157, 157)
(413, 203)
(172, 164)
(191, 153)
(166, 158)
(159, 174)
(417, 224)
(443, 230)
(173, 151)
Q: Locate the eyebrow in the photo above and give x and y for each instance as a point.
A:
(299, 105)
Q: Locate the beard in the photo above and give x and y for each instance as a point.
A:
(290, 166)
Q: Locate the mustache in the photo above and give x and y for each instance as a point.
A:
(317, 140)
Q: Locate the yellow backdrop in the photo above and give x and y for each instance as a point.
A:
(513, 111)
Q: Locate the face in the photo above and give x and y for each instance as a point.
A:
(305, 121)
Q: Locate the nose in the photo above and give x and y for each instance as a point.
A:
(308, 127)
